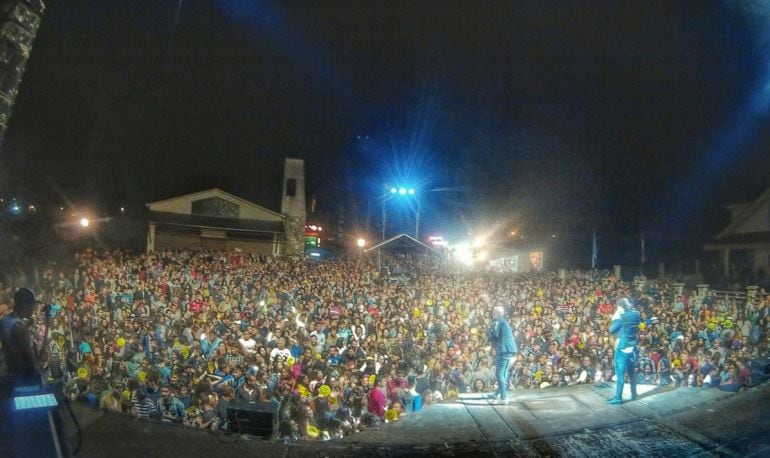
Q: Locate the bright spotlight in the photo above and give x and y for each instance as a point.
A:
(411, 191)
(402, 191)
(464, 254)
(478, 242)
(15, 208)
(84, 222)
(361, 243)
(393, 190)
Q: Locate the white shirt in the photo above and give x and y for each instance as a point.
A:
(276, 351)
(248, 345)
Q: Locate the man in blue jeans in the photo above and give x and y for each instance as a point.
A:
(501, 336)
(625, 326)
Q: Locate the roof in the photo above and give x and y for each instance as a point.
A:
(401, 242)
(744, 215)
(743, 239)
(214, 222)
(201, 194)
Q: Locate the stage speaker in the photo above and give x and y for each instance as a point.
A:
(256, 418)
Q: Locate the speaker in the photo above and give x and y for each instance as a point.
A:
(256, 418)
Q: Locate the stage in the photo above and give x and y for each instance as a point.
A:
(570, 421)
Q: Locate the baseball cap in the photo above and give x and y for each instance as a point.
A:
(25, 296)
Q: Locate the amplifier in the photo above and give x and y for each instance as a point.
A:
(255, 418)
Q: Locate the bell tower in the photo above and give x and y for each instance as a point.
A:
(293, 205)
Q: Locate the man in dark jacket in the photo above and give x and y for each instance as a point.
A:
(501, 336)
(24, 361)
(625, 326)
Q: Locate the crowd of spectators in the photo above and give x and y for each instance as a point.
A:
(181, 335)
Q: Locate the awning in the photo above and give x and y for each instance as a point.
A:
(403, 242)
(213, 222)
(746, 240)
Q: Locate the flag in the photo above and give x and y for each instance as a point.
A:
(594, 253)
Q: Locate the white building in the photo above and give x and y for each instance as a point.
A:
(214, 219)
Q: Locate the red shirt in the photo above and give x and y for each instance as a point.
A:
(377, 402)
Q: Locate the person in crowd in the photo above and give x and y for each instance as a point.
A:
(169, 407)
(203, 322)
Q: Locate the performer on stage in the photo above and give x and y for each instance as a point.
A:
(501, 336)
(625, 326)
(24, 362)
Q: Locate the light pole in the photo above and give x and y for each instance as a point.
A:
(403, 192)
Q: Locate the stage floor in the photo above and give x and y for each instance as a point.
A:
(571, 421)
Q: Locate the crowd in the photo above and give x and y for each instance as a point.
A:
(180, 336)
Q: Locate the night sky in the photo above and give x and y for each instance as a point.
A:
(552, 117)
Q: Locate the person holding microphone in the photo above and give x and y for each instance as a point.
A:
(625, 326)
(501, 336)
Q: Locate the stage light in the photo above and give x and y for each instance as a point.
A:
(393, 190)
(402, 191)
(84, 222)
(411, 191)
(361, 243)
(463, 254)
(15, 208)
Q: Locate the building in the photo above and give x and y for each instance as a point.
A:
(215, 219)
(746, 240)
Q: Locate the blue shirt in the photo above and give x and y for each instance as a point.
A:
(626, 329)
(501, 335)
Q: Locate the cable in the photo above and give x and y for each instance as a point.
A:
(77, 425)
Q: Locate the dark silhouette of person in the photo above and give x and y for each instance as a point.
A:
(24, 362)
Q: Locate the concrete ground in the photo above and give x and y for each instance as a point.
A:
(571, 421)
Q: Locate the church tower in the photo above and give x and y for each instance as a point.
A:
(293, 205)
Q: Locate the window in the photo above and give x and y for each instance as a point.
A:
(291, 187)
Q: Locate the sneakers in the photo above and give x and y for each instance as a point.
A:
(614, 401)
(492, 396)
